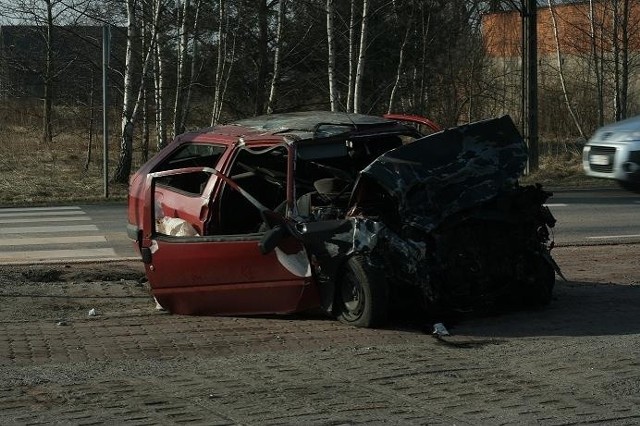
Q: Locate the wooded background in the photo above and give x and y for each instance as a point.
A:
(182, 64)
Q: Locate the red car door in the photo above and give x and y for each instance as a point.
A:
(223, 274)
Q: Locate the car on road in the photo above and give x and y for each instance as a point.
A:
(353, 214)
(613, 152)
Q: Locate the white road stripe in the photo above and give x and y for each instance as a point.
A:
(52, 240)
(45, 219)
(556, 205)
(31, 209)
(56, 233)
(609, 237)
(39, 214)
(46, 229)
(41, 255)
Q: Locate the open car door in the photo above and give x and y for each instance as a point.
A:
(223, 274)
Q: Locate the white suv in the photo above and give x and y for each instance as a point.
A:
(613, 152)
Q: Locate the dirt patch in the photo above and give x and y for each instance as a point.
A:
(80, 272)
(71, 290)
(61, 293)
(609, 264)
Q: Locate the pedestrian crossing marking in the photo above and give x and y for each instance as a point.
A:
(41, 213)
(52, 240)
(45, 219)
(35, 209)
(47, 229)
(59, 234)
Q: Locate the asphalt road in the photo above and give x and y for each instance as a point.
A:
(98, 231)
(595, 216)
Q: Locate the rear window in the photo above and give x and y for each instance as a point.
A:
(192, 155)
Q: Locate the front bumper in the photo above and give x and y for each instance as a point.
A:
(619, 161)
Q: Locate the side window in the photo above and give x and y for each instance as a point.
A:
(263, 174)
(190, 155)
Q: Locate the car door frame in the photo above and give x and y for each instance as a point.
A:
(185, 279)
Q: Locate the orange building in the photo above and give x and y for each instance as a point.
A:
(502, 31)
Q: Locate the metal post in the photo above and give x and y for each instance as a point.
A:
(532, 82)
(105, 116)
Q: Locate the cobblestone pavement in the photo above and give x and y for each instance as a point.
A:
(574, 362)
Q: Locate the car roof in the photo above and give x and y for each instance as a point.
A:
(297, 126)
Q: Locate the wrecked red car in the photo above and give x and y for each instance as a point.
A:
(350, 213)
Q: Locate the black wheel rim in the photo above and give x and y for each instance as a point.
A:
(352, 298)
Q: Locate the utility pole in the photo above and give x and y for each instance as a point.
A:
(106, 49)
(530, 82)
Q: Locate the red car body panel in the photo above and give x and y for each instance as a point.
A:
(244, 282)
(216, 274)
(433, 126)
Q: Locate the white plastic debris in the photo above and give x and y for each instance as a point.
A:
(176, 227)
(93, 312)
(440, 330)
(159, 307)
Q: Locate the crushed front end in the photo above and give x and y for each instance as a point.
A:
(444, 217)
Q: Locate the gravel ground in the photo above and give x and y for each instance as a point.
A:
(573, 362)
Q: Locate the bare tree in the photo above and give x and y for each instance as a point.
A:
(401, 53)
(188, 28)
(561, 76)
(276, 56)
(130, 103)
(595, 34)
(42, 18)
(620, 38)
(194, 64)
(360, 69)
(183, 39)
(225, 59)
(263, 57)
(159, 78)
(331, 53)
(352, 54)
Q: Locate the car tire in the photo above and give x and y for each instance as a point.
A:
(541, 292)
(361, 295)
(630, 186)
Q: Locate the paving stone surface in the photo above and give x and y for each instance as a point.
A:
(574, 362)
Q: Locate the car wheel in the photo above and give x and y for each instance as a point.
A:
(361, 295)
(544, 280)
(630, 186)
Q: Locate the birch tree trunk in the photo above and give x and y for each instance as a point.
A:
(146, 42)
(352, 54)
(421, 99)
(178, 125)
(396, 83)
(597, 60)
(131, 104)
(276, 57)
(357, 91)
(194, 64)
(159, 92)
(263, 49)
(624, 59)
(220, 60)
(333, 100)
(616, 61)
(554, 24)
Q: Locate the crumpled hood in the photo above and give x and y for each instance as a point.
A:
(445, 173)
